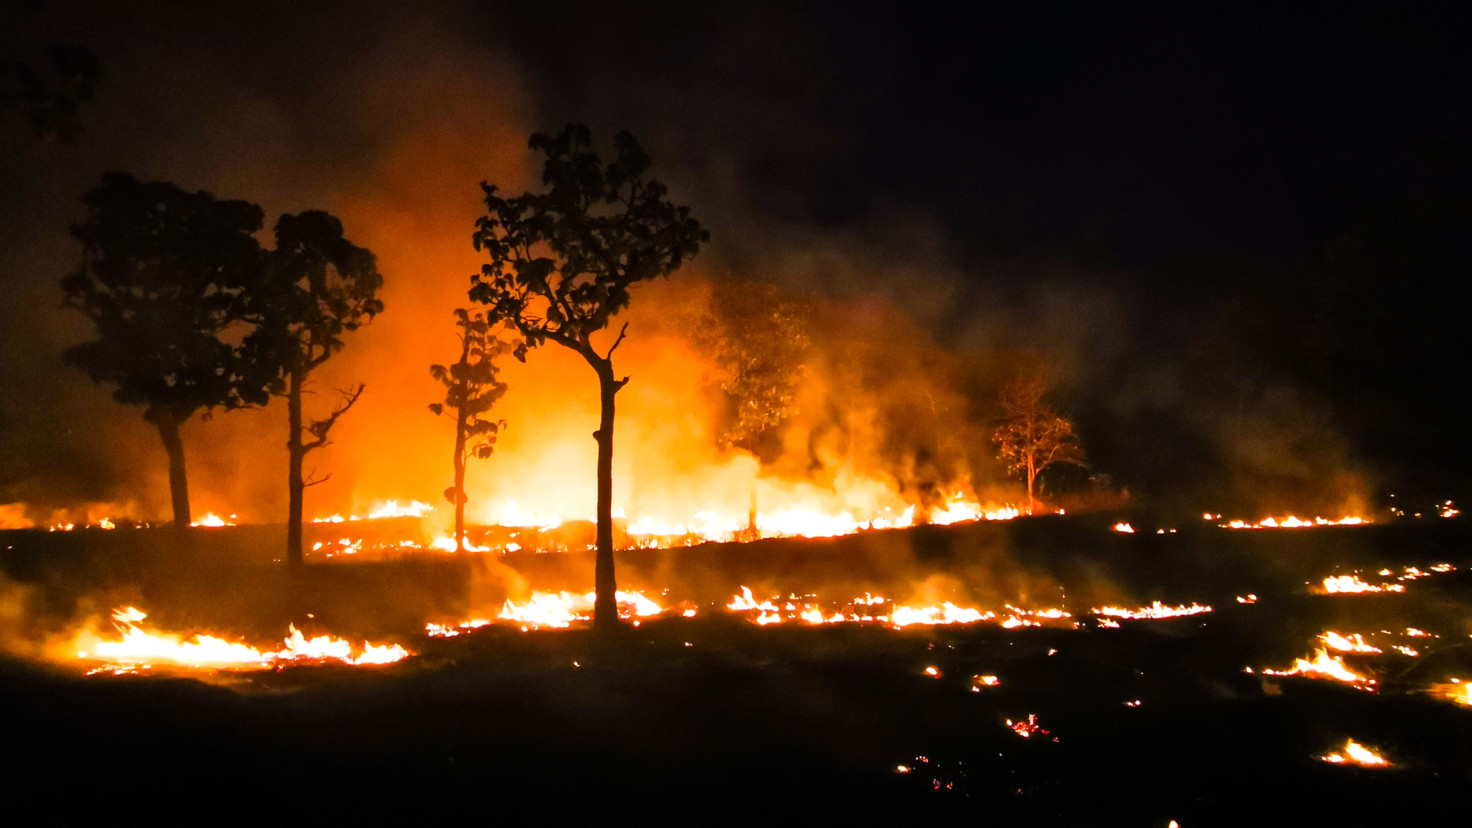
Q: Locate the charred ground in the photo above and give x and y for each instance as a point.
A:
(713, 718)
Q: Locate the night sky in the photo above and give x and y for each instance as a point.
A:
(1241, 234)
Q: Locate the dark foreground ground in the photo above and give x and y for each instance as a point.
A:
(715, 720)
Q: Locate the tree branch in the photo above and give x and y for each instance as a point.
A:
(320, 428)
(622, 331)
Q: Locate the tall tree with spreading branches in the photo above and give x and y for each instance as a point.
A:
(758, 339)
(471, 389)
(1032, 436)
(318, 287)
(562, 263)
(162, 278)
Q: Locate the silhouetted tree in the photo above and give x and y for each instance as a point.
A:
(1032, 436)
(318, 287)
(471, 389)
(162, 277)
(758, 338)
(562, 263)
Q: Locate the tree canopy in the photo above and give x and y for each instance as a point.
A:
(1032, 436)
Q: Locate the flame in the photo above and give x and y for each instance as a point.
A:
(1357, 754)
(1347, 644)
(877, 609)
(1156, 610)
(1324, 666)
(139, 648)
(557, 610)
(213, 520)
(1288, 522)
(386, 509)
(1350, 584)
(1125, 528)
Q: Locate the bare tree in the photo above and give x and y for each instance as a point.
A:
(1032, 436)
(471, 389)
(562, 263)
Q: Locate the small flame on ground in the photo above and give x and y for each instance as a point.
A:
(1155, 611)
(1327, 667)
(212, 520)
(1357, 754)
(1125, 528)
(140, 649)
(1288, 522)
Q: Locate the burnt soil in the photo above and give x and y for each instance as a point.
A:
(713, 719)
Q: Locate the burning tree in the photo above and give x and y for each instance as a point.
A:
(759, 339)
(318, 286)
(162, 277)
(1032, 435)
(471, 389)
(562, 263)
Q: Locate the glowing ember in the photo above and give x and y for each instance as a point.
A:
(213, 520)
(1324, 666)
(1347, 644)
(1154, 611)
(1026, 729)
(1124, 527)
(139, 648)
(933, 672)
(978, 682)
(1247, 599)
(1357, 754)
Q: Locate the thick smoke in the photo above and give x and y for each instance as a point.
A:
(391, 119)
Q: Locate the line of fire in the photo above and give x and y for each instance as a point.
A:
(631, 414)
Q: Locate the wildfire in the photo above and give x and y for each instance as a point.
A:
(1325, 666)
(388, 509)
(1348, 584)
(877, 608)
(141, 649)
(1347, 644)
(1456, 690)
(557, 610)
(212, 520)
(1289, 522)
(1357, 754)
(1125, 528)
(1156, 610)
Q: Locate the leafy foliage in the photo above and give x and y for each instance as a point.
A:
(758, 338)
(562, 261)
(164, 274)
(318, 286)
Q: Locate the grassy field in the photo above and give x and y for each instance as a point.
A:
(713, 719)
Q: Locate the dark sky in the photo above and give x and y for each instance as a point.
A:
(1241, 232)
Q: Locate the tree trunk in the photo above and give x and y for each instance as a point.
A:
(751, 512)
(1031, 476)
(460, 478)
(168, 429)
(295, 487)
(605, 608)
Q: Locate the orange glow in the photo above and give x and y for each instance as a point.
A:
(1125, 528)
(213, 520)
